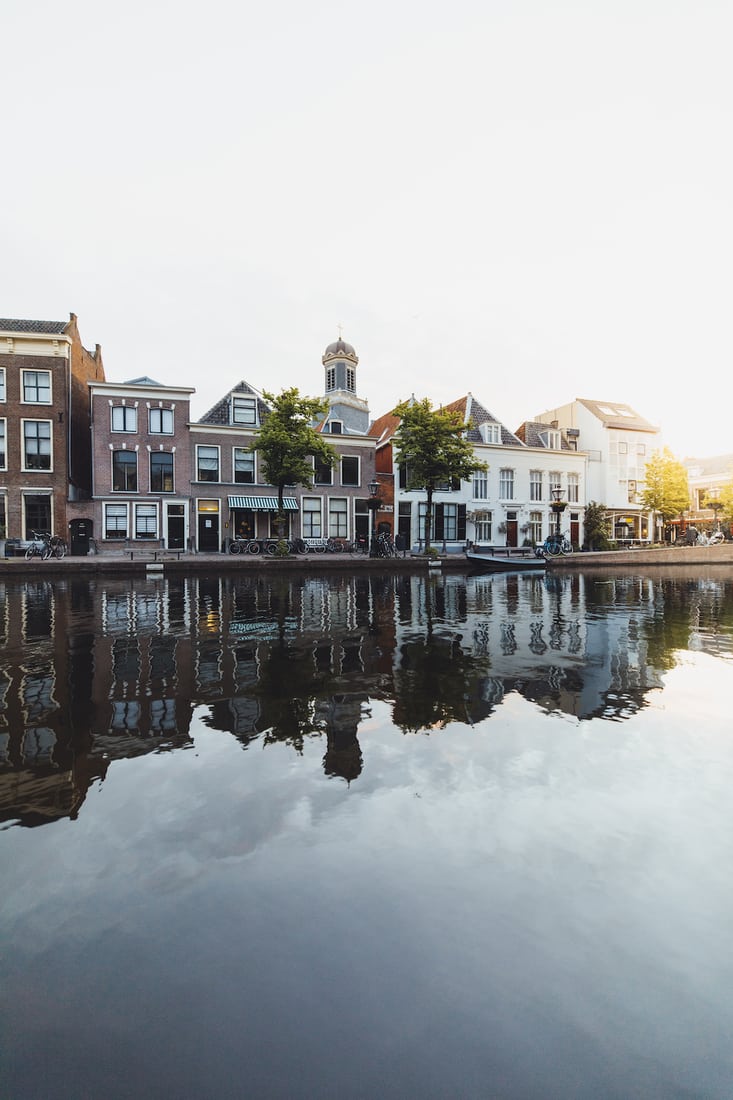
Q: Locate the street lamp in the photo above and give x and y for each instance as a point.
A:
(558, 506)
(373, 503)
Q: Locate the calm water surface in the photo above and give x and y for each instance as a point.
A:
(367, 837)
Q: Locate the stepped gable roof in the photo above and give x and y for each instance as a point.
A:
(220, 413)
(617, 414)
(472, 410)
(530, 433)
(47, 328)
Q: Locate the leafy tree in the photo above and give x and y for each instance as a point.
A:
(288, 441)
(667, 491)
(594, 526)
(432, 445)
(725, 496)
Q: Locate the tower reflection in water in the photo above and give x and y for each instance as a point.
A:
(100, 671)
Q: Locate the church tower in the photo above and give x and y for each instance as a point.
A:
(347, 413)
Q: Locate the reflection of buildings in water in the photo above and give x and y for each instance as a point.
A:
(340, 716)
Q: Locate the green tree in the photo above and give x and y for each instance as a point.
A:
(287, 443)
(431, 444)
(667, 491)
(725, 496)
(595, 528)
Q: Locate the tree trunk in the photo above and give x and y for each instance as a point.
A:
(428, 517)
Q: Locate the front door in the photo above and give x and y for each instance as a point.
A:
(511, 529)
(208, 527)
(176, 526)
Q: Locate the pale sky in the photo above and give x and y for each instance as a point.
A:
(527, 199)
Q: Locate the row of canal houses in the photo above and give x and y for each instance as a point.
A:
(123, 463)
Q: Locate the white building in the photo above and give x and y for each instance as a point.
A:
(618, 443)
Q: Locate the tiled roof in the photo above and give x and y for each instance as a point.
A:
(383, 428)
(142, 381)
(530, 432)
(472, 410)
(50, 328)
(220, 413)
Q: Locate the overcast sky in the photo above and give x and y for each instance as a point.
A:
(527, 199)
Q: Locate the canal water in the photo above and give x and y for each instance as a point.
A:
(365, 837)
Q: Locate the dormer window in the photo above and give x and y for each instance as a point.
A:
(336, 427)
(490, 433)
(244, 410)
(552, 438)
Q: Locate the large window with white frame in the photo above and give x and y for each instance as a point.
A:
(161, 472)
(482, 526)
(535, 484)
(124, 471)
(311, 518)
(115, 521)
(481, 485)
(146, 521)
(555, 480)
(244, 466)
(207, 463)
(160, 421)
(573, 488)
(244, 410)
(338, 518)
(124, 418)
(37, 445)
(3, 448)
(36, 386)
(506, 483)
(535, 527)
(350, 473)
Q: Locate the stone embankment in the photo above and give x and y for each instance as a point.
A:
(142, 564)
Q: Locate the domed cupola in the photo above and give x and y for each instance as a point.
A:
(347, 412)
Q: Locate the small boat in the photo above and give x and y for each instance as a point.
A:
(509, 561)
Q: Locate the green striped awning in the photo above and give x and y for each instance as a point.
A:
(263, 504)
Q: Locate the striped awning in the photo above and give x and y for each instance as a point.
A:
(263, 504)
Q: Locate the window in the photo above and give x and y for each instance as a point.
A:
(146, 521)
(336, 427)
(351, 379)
(641, 448)
(115, 521)
(2, 383)
(535, 484)
(124, 418)
(36, 444)
(161, 472)
(323, 473)
(448, 529)
(37, 387)
(161, 421)
(3, 453)
(207, 463)
(506, 484)
(482, 524)
(244, 466)
(330, 379)
(490, 433)
(535, 527)
(480, 485)
(623, 448)
(244, 410)
(311, 518)
(573, 488)
(124, 471)
(349, 471)
(338, 519)
(552, 439)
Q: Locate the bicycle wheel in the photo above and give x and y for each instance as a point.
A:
(235, 547)
(60, 549)
(253, 547)
(567, 546)
(320, 548)
(270, 548)
(30, 552)
(552, 547)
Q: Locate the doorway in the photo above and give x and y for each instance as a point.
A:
(208, 526)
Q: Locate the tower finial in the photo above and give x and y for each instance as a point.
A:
(340, 327)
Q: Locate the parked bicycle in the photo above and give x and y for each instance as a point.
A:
(710, 540)
(44, 545)
(553, 545)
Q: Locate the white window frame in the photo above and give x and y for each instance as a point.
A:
(29, 400)
(338, 517)
(244, 410)
(208, 447)
(172, 457)
(116, 509)
(128, 412)
(149, 511)
(324, 468)
(490, 433)
(351, 484)
(482, 525)
(573, 488)
(162, 415)
(312, 518)
(535, 527)
(2, 385)
(535, 485)
(125, 451)
(506, 483)
(24, 455)
(3, 443)
(249, 456)
(480, 485)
